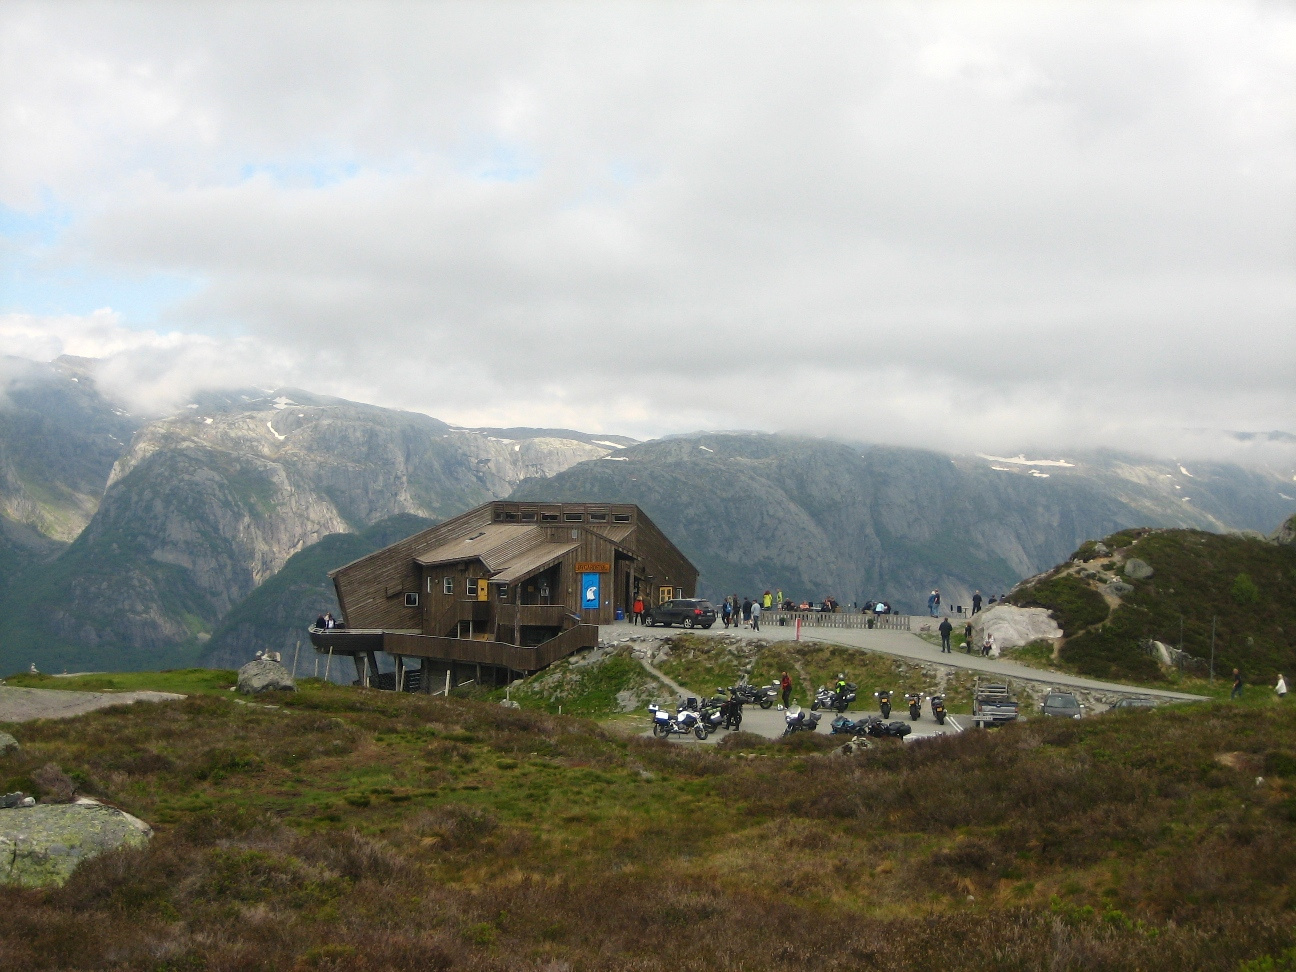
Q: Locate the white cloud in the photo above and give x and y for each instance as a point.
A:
(975, 226)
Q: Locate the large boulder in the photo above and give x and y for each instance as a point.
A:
(42, 845)
(8, 744)
(1013, 627)
(1136, 569)
(1286, 534)
(265, 676)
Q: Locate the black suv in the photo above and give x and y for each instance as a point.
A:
(691, 612)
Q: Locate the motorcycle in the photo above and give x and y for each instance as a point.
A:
(685, 720)
(841, 726)
(827, 698)
(915, 705)
(884, 702)
(731, 707)
(938, 709)
(764, 696)
(798, 720)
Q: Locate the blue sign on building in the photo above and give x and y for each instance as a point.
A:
(591, 595)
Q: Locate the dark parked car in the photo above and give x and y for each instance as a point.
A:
(692, 612)
(1126, 704)
(1062, 704)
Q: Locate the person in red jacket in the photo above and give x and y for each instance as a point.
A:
(786, 685)
(636, 612)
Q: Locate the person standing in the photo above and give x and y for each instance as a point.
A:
(933, 602)
(778, 599)
(726, 611)
(746, 611)
(785, 684)
(1281, 687)
(976, 602)
(755, 616)
(1237, 684)
(946, 629)
(767, 601)
(636, 611)
(967, 637)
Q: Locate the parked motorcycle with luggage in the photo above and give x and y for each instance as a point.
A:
(870, 726)
(838, 699)
(765, 696)
(687, 719)
(731, 706)
(938, 709)
(915, 705)
(796, 719)
(884, 702)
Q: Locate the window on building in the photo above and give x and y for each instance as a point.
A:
(549, 517)
(411, 599)
(574, 517)
(503, 592)
(598, 517)
(447, 585)
(471, 587)
(620, 517)
(499, 514)
(511, 515)
(529, 516)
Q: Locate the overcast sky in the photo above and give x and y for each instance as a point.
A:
(969, 226)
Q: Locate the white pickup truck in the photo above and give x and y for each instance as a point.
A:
(992, 705)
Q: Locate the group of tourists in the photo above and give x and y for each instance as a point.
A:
(737, 610)
(988, 647)
(326, 621)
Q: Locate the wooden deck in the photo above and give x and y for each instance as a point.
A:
(412, 644)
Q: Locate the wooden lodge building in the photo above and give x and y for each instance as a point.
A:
(503, 589)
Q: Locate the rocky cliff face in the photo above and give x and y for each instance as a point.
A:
(58, 441)
(814, 518)
(205, 505)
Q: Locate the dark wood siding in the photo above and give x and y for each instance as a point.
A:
(370, 590)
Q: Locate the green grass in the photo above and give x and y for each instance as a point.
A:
(1242, 588)
(364, 830)
(187, 681)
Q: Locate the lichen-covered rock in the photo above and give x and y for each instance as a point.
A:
(265, 676)
(1013, 627)
(8, 744)
(41, 846)
(1118, 588)
(1138, 569)
(1286, 534)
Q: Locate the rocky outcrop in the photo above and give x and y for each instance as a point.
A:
(1013, 627)
(1286, 534)
(265, 676)
(42, 845)
(8, 744)
(1136, 569)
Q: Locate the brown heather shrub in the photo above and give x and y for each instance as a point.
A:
(55, 785)
(1097, 844)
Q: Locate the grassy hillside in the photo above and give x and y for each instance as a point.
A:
(361, 830)
(274, 615)
(1245, 585)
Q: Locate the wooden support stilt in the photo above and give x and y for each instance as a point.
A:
(328, 664)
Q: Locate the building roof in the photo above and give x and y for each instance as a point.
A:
(494, 541)
(532, 561)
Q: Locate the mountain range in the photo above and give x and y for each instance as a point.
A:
(150, 541)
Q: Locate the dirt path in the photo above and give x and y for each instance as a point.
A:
(26, 704)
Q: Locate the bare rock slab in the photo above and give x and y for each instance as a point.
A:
(1137, 569)
(1013, 627)
(265, 676)
(8, 744)
(41, 846)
